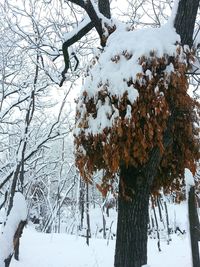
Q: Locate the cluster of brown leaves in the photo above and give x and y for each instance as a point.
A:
(130, 140)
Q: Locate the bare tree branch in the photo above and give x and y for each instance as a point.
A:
(76, 37)
(80, 3)
(89, 8)
(104, 8)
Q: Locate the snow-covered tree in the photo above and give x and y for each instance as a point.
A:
(135, 121)
(135, 117)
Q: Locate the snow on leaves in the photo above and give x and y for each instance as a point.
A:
(133, 88)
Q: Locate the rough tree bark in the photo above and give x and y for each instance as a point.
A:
(104, 8)
(185, 20)
(133, 201)
(131, 243)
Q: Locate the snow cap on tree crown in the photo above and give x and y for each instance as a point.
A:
(130, 92)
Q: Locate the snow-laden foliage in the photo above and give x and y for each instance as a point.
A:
(136, 88)
(17, 214)
(119, 65)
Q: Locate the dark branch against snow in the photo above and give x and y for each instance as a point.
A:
(84, 27)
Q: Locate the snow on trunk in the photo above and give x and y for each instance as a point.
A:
(189, 181)
(17, 214)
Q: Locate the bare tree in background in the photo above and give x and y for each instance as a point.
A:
(32, 113)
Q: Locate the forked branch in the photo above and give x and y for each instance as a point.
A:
(84, 27)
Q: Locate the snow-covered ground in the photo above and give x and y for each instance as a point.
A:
(65, 250)
(53, 250)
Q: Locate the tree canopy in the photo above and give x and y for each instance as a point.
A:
(134, 99)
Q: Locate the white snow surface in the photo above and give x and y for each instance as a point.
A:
(52, 250)
(113, 70)
(137, 43)
(17, 214)
(189, 178)
(63, 250)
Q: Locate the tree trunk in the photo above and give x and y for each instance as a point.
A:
(81, 203)
(104, 8)
(185, 20)
(8, 261)
(16, 242)
(194, 227)
(157, 227)
(131, 242)
(88, 232)
(167, 220)
(104, 226)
